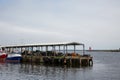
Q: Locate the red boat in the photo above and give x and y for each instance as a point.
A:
(3, 55)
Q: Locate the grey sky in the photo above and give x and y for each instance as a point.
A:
(93, 22)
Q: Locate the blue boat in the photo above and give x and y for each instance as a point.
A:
(14, 57)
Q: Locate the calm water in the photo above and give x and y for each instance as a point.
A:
(106, 67)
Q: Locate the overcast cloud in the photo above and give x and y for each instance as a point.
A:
(93, 22)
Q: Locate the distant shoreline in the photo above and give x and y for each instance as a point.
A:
(103, 50)
(96, 50)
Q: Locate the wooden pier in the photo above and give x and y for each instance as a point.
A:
(53, 53)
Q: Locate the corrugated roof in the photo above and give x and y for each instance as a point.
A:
(45, 44)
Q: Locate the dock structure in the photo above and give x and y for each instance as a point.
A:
(53, 53)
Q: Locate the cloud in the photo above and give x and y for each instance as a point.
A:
(91, 22)
(28, 34)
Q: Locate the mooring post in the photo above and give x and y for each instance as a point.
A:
(80, 62)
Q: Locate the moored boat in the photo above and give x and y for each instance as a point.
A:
(14, 57)
(3, 55)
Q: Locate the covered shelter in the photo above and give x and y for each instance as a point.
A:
(46, 45)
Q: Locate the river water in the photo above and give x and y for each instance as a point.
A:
(106, 66)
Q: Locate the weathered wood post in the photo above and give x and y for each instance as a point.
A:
(74, 48)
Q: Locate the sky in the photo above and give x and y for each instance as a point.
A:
(96, 23)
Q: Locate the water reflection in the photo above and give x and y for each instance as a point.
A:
(102, 69)
(52, 72)
(13, 71)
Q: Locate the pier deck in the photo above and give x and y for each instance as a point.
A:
(52, 53)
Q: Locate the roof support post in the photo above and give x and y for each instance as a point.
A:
(46, 50)
(59, 48)
(66, 49)
(32, 48)
(74, 49)
(83, 49)
(21, 49)
(26, 52)
(41, 48)
(53, 49)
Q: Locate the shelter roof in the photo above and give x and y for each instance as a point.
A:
(44, 44)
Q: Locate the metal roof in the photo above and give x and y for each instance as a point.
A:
(44, 44)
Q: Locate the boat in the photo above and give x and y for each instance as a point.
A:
(3, 55)
(13, 57)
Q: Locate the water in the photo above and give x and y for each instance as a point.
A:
(106, 67)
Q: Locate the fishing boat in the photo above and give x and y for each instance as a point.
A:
(13, 57)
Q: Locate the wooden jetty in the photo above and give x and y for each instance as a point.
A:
(53, 53)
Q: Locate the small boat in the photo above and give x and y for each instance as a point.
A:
(3, 55)
(13, 57)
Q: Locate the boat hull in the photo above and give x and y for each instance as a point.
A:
(3, 57)
(13, 58)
